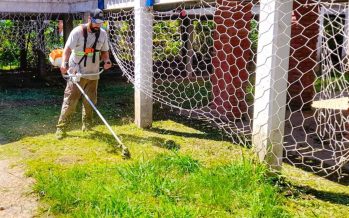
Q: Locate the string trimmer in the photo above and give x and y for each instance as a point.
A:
(74, 76)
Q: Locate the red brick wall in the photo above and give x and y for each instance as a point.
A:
(301, 75)
(232, 48)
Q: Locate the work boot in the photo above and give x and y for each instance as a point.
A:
(60, 134)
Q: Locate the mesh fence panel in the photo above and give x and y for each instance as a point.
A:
(205, 62)
(25, 36)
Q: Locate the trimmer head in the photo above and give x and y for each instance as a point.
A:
(125, 153)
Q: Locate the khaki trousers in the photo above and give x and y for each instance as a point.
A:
(71, 98)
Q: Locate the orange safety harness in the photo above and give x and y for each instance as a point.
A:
(89, 50)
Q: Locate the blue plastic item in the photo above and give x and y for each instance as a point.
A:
(149, 3)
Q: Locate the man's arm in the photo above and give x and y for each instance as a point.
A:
(65, 60)
(105, 58)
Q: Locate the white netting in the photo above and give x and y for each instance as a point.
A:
(205, 56)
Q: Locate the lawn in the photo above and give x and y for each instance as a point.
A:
(179, 168)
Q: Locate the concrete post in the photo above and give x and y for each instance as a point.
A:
(271, 80)
(143, 65)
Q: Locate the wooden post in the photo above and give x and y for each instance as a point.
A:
(40, 49)
(143, 65)
(271, 80)
(187, 32)
(67, 26)
(23, 63)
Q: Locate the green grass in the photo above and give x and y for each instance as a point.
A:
(176, 170)
(170, 185)
(9, 67)
(29, 94)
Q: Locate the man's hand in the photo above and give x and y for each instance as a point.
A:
(107, 64)
(64, 68)
(65, 64)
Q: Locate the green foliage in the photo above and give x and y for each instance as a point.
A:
(335, 81)
(253, 35)
(168, 43)
(52, 38)
(17, 36)
(166, 40)
(203, 37)
(8, 50)
(120, 35)
(187, 94)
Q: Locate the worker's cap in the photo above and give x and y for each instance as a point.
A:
(97, 16)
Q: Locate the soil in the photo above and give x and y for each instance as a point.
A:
(16, 196)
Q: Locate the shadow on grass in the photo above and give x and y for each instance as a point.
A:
(126, 138)
(208, 131)
(290, 190)
(327, 173)
(177, 133)
(335, 198)
(307, 192)
(34, 112)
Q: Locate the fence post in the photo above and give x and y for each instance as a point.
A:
(143, 64)
(23, 52)
(187, 37)
(271, 80)
(41, 67)
(67, 26)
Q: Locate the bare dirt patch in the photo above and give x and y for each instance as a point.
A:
(16, 196)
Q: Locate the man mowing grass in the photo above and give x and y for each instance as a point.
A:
(86, 45)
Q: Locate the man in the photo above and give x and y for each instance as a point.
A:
(86, 46)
